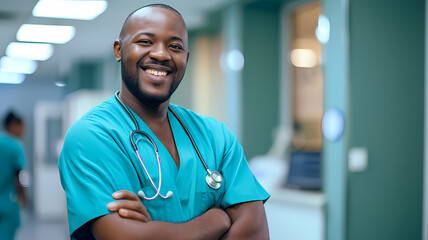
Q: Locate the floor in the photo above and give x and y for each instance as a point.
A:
(34, 229)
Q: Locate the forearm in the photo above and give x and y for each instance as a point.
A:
(211, 225)
(248, 222)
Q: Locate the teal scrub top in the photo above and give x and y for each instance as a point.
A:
(12, 160)
(97, 160)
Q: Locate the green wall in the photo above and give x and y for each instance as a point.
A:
(386, 105)
(95, 74)
(84, 75)
(183, 96)
(260, 76)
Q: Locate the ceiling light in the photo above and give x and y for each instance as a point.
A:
(33, 51)
(45, 33)
(17, 65)
(11, 78)
(60, 84)
(304, 58)
(84, 10)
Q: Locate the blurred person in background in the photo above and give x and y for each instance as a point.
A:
(136, 148)
(12, 161)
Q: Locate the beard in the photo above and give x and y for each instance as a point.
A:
(132, 83)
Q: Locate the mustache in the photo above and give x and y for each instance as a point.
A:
(155, 62)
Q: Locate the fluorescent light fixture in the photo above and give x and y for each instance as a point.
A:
(60, 84)
(83, 10)
(17, 65)
(45, 33)
(32, 51)
(11, 78)
(304, 58)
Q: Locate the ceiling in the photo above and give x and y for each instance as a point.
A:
(93, 39)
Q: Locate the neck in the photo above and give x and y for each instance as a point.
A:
(152, 113)
(14, 131)
(14, 134)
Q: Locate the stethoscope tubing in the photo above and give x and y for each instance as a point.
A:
(191, 139)
(212, 182)
(137, 126)
(151, 180)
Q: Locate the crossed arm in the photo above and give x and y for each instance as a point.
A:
(130, 220)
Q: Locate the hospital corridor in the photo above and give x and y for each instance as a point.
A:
(316, 110)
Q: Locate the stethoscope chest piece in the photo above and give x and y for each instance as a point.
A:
(214, 180)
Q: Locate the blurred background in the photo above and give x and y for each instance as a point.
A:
(328, 99)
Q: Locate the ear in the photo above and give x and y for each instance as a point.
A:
(187, 59)
(116, 48)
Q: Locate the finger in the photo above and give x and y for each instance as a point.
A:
(125, 213)
(136, 206)
(125, 194)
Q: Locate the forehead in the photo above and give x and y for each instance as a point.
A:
(155, 19)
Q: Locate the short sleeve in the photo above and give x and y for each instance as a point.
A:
(92, 166)
(240, 184)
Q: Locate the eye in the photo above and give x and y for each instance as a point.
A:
(176, 47)
(144, 42)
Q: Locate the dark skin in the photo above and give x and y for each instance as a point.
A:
(248, 220)
(16, 128)
(153, 52)
(144, 50)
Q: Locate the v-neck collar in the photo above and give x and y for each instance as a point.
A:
(171, 174)
(182, 143)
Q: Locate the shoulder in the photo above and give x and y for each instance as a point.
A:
(192, 118)
(207, 128)
(104, 112)
(10, 142)
(100, 129)
(101, 117)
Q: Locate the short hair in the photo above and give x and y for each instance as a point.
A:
(10, 118)
(154, 5)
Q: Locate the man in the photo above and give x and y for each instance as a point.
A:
(12, 161)
(99, 165)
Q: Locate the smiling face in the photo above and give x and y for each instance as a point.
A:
(153, 52)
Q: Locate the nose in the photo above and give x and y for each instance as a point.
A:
(160, 53)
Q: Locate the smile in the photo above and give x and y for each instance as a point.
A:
(156, 73)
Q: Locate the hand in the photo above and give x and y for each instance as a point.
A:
(129, 206)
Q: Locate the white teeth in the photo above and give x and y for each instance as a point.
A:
(156, 73)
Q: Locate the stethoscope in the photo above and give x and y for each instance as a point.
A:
(213, 178)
